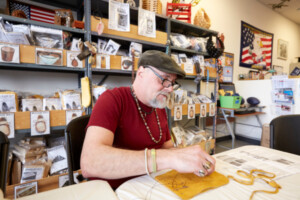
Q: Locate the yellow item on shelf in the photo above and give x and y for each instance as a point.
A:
(188, 185)
(222, 92)
(86, 97)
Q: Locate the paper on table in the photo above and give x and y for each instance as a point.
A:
(256, 159)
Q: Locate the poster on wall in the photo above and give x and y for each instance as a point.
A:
(256, 47)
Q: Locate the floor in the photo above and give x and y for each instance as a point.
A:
(226, 145)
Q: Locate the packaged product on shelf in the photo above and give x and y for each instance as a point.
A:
(70, 100)
(51, 104)
(58, 156)
(178, 136)
(47, 37)
(179, 40)
(180, 96)
(32, 104)
(3, 37)
(32, 172)
(8, 101)
(198, 43)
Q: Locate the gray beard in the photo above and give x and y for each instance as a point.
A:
(159, 104)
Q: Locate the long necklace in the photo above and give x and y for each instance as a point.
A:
(144, 120)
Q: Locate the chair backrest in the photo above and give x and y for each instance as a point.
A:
(74, 136)
(4, 147)
(285, 133)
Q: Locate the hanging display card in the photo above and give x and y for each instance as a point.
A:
(147, 23)
(191, 111)
(177, 113)
(203, 110)
(9, 53)
(72, 114)
(126, 63)
(111, 48)
(118, 18)
(48, 57)
(72, 60)
(8, 103)
(26, 189)
(212, 109)
(7, 124)
(102, 61)
(40, 123)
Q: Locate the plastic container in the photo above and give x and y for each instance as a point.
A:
(230, 101)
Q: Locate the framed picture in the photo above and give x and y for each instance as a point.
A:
(282, 49)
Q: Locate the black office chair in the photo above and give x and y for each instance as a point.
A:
(74, 137)
(4, 146)
(285, 133)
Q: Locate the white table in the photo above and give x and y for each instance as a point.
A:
(91, 190)
(145, 187)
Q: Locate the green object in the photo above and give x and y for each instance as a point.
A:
(230, 101)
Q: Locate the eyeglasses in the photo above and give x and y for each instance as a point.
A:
(165, 82)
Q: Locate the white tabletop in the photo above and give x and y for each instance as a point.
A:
(90, 190)
(145, 187)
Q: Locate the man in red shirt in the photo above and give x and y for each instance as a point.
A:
(127, 121)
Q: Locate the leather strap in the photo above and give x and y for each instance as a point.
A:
(257, 174)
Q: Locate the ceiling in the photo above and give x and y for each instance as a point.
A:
(288, 8)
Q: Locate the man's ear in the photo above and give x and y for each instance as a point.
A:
(140, 71)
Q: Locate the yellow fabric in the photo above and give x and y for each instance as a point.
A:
(189, 185)
(255, 174)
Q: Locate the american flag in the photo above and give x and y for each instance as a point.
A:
(33, 12)
(256, 47)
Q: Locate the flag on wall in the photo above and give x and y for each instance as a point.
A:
(33, 12)
(256, 47)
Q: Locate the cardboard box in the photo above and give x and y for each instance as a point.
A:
(265, 136)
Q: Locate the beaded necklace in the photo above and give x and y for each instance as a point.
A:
(144, 120)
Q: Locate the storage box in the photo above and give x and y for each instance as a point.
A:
(230, 101)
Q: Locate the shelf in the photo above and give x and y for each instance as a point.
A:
(31, 22)
(190, 29)
(57, 118)
(44, 68)
(161, 37)
(113, 72)
(123, 40)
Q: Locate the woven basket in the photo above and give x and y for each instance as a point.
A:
(201, 19)
(154, 6)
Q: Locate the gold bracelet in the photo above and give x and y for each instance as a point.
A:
(153, 156)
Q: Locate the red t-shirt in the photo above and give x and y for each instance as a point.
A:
(116, 110)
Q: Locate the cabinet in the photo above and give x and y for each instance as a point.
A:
(164, 27)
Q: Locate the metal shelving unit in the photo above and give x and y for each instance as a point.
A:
(100, 8)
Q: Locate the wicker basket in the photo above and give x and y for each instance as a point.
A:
(153, 5)
(201, 19)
